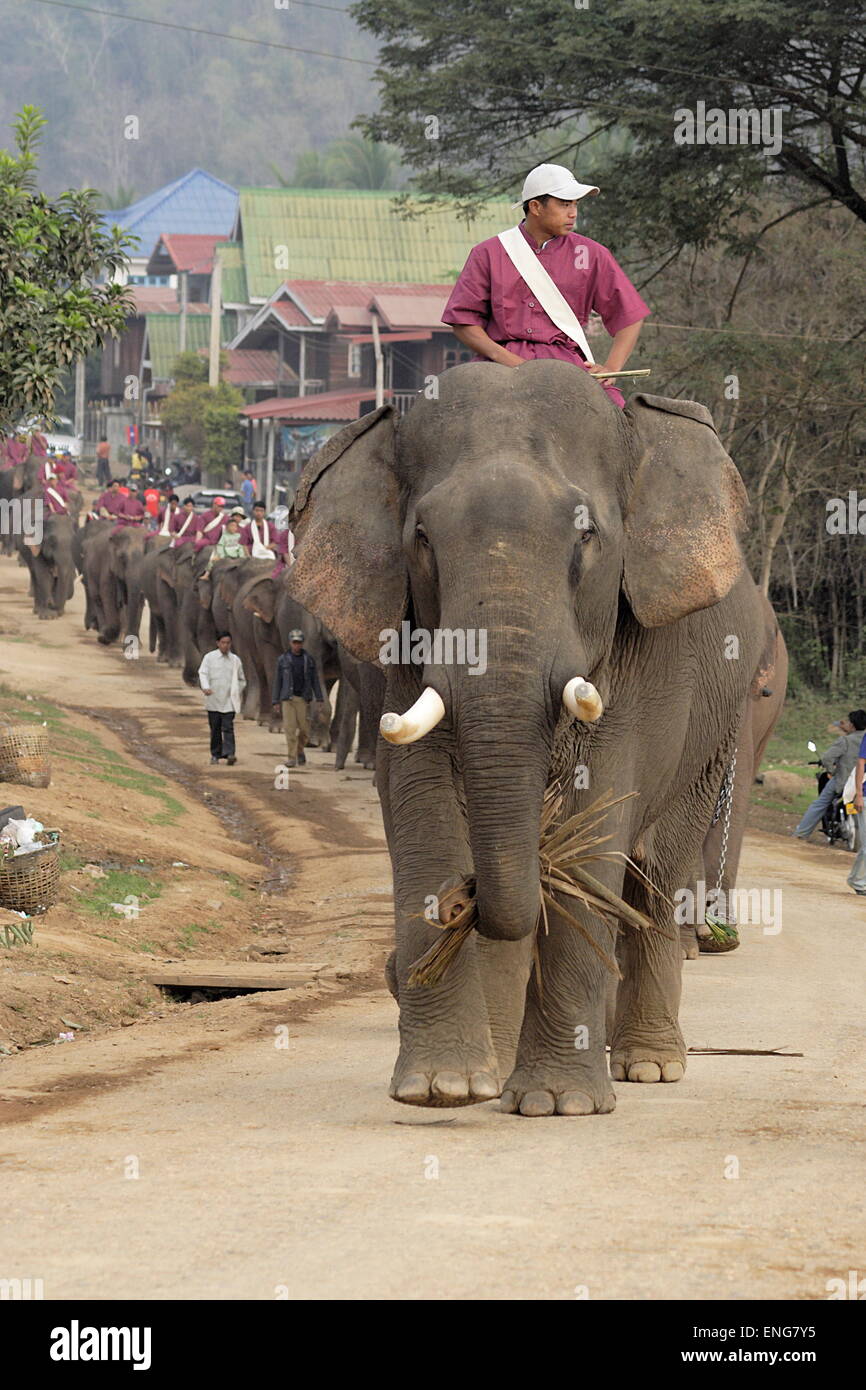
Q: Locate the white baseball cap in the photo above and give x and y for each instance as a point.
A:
(555, 180)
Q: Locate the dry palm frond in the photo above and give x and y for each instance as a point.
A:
(565, 848)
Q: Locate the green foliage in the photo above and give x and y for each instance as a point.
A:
(352, 162)
(118, 885)
(204, 419)
(51, 253)
(189, 368)
(505, 80)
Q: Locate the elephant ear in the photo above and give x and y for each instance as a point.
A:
(687, 510)
(349, 568)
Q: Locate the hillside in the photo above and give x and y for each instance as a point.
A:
(233, 108)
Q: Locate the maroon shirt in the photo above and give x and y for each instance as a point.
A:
(491, 293)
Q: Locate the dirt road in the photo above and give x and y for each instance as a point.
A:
(247, 1148)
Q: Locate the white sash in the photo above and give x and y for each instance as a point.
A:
(551, 299)
(214, 521)
(260, 549)
(177, 535)
(166, 521)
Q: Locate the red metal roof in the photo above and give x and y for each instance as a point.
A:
(190, 251)
(319, 297)
(422, 309)
(290, 314)
(330, 405)
(254, 367)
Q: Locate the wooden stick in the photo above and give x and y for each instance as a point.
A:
(639, 371)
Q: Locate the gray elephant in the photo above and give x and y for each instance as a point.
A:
(51, 562)
(724, 839)
(596, 553)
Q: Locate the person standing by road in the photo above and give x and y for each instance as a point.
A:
(248, 491)
(838, 760)
(857, 876)
(103, 463)
(296, 685)
(221, 677)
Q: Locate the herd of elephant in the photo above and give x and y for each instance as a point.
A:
(628, 653)
(124, 568)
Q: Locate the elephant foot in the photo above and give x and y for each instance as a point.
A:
(446, 1083)
(539, 1090)
(689, 943)
(650, 1063)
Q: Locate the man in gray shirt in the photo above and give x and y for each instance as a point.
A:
(838, 759)
(221, 677)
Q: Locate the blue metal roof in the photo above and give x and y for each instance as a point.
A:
(197, 202)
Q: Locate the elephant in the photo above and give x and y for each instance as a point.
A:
(51, 563)
(359, 698)
(590, 558)
(154, 544)
(111, 563)
(174, 577)
(724, 839)
(15, 482)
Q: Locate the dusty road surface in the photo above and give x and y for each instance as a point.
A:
(246, 1148)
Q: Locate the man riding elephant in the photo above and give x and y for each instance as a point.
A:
(528, 292)
(596, 552)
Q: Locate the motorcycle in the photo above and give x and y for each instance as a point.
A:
(838, 825)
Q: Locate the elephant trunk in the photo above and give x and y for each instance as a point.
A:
(505, 745)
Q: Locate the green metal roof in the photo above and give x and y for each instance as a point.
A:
(337, 234)
(234, 282)
(163, 337)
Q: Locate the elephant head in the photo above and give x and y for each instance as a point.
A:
(522, 507)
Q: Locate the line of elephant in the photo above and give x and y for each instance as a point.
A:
(189, 605)
(124, 568)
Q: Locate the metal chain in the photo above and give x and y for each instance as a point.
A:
(728, 790)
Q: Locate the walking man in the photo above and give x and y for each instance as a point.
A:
(838, 760)
(296, 684)
(221, 676)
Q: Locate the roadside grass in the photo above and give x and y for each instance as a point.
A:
(234, 885)
(116, 887)
(802, 719)
(90, 758)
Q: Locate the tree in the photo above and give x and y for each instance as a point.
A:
(52, 253)
(474, 91)
(204, 418)
(352, 162)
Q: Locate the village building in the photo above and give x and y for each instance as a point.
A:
(329, 301)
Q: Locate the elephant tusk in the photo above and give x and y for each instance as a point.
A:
(424, 715)
(582, 700)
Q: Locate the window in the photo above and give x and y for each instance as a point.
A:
(453, 356)
(353, 365)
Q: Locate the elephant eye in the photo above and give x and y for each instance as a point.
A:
(421, 535)
(588, 534)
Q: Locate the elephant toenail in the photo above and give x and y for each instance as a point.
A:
(450, 1085)
(536, 1103)
(483, 1085)
(414, 1087)
(575, 1103)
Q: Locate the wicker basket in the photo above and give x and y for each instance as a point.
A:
(29, 882)
(24, 755)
